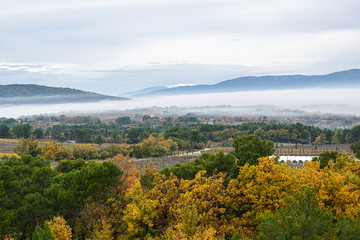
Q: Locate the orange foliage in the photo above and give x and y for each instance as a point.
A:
(100, 221)
(130, 174)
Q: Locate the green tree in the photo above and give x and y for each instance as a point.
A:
(211, 162)
(135, 135)
(302, 218)
(42, 233)
(87, 138)
(5, 213)
(24, 181)
(99, 140)
(336, 137)
(326, 157)
(62, 138)
(355, 147)
(248, 149)
(74, 190)
(39, 133)
(66, 166)
(4, 131)
(22, 130)
(123, 120)
(113, 150)
(348, 228)
(355, 133)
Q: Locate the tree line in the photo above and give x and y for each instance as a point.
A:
(195, 135)
(153, 146)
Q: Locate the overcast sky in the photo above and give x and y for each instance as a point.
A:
(115, 46)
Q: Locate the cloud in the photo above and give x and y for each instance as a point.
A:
(180, 85)
(127, 43)
(32, 68)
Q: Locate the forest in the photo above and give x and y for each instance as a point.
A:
(240, 195)
(168, 135)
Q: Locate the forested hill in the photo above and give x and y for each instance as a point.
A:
(36, 94)
(344, 79)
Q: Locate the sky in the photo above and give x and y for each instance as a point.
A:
(117, 46)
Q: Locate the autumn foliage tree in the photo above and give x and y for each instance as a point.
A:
(54, 151)
(59, 229)
(28, 146)
(154, 147)
(140, 213)
(85, 152)
(239, 195)
(258, 189)
(130, 175)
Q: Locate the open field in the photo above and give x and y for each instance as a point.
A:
(7, 145)
(310, 150)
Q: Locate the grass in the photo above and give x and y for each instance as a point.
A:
(8, 155)
(9, 140)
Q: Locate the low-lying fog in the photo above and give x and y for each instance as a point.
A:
(276, 102)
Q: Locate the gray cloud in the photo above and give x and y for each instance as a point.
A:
(114, 42)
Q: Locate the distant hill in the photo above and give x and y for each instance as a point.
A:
(144, 91)
(36, 94)
(344, 79)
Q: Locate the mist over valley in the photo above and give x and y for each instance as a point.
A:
(280, 96)
(280, 103)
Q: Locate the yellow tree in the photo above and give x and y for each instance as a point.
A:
(54, 151)
(9, 237)
(28, 146)
(321, 139)
(154, 146)
(188, 224)
(337, 186)
(140, 213)
(258, 189)
(207, 194)
(101, 220)
(190, 209)
(165, 192)
(85, 151)
(105, 233)
(59, 229)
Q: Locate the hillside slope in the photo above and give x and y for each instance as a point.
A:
(36, 94)
(344, 79)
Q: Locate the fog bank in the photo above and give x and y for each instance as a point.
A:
(337, 101)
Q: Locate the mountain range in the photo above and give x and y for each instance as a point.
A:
(343, 79)
(37, 94)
